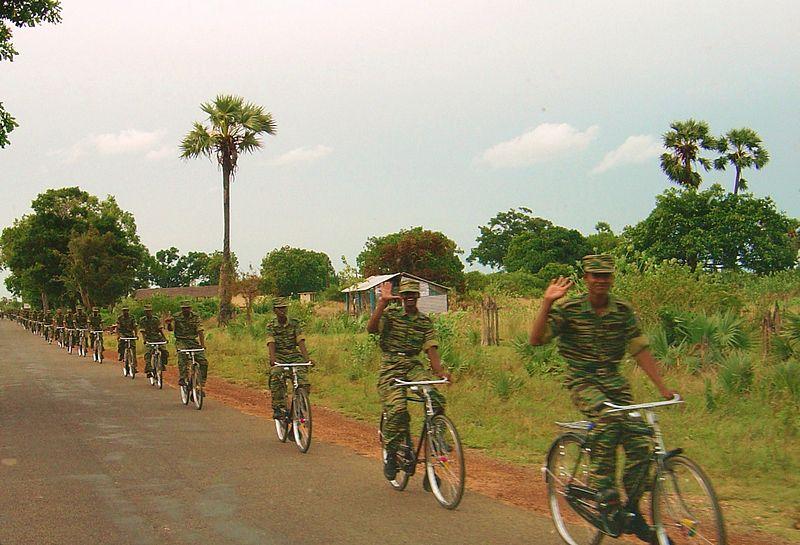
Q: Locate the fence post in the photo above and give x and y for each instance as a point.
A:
(490, 322)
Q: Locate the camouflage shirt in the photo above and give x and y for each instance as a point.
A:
(80, 320)
(152, 329)
(126, 327)
(590, 342)
(404, 336)
(96, 321)
(58, 319)
(286, 338)
(69, 320)
(186, 329)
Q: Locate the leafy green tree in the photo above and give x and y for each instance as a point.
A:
(20, 13)
(427, 254)
(532, 251)
(741, 148)
(170, 269)
(234, 127)
(296, 270)
(603, 240)
(684, 142)
(495, 238)
(714, 230)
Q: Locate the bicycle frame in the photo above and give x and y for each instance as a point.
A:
(422, 388)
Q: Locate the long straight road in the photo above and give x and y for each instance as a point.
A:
(89, 457)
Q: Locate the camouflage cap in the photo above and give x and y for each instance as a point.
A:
(407, 285)
(95, 309)
(125, 308)
(186, 304)
(600, 263)
(148, 307)
(79, 307)
(280, 302)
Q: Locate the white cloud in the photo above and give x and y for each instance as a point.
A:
(634, 150)
(542, 143)
(163, 152)
(124, 142)
(301, 155)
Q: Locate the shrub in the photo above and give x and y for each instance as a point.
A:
(506, 384)
(786, 379)
(538, 360)
(363, 354)
(517, 284)
(736, 373)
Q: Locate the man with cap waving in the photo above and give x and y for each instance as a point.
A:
(188, 335)
(594, 331)
(287, 344)
(405, 333)
(150, 327)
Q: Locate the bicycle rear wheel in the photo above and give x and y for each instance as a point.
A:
(405, 460)
(684, 506)
(197, 391)
(567, 466)
(301, 420)
(444, 462)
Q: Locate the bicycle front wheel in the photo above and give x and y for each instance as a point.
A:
(567, 467)
(445, 462)
(301, 420)
(405, 459)
(282, 427)
(197, 390)
(684, 506)
(130, 363)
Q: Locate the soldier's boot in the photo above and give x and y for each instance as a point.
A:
(390, 465)
(637, 525)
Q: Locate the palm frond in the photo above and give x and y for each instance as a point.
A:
(197, 142)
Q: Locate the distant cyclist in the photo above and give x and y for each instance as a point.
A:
(286, 344)
(81, 322)
(152, 332)
(594, 331)
(96, 324)
(188, 335)
(69, 324)
(126, 327)
(405, 334)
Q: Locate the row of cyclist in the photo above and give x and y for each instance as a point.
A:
(594, 330)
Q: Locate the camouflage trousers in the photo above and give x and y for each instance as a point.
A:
(185, 361)
(278, 378)
(394, 402)
(148, 357)
(612, 430)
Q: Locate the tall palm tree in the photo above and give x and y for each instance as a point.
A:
(742, 148)
(684, 142)
(234, 128)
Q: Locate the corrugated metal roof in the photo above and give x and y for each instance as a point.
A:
(373, 281)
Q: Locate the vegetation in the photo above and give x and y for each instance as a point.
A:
(20, 13)
(235, 127)
(169, 269)
(741, 148)
(685, 141)
(296, 270)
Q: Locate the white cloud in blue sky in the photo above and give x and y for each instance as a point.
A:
(301, 155)
(634, 150)
(543, 143)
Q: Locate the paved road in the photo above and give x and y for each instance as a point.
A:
(87, 457)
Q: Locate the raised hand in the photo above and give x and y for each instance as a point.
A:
(386, 293)
(557, 289)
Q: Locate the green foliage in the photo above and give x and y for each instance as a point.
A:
(741, 148)
(684, 141)
(20, 13)
(603, 241)
(532, 251)
(736, 373)
(297, 270)
(169, 269)
(506, 384)
(427, 254)
(538, 360)
(476, 281)
(363, 357)
(495, 238)
(785, 379)
(715, 230)
(338, 324)
(517, 284)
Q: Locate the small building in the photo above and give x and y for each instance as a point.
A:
(190, 292)
(307, 296)
(362, 298)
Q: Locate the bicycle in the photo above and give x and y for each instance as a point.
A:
(70, 339)
(82, 351)
(298, 417)
(48, 333)
(192, 390)
(97, 351)
(129, 364)
(683, 506)
(445, 470)
(60, 336)
(156, 369)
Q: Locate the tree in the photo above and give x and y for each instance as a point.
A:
(297, 270)
(715, 230)
(741, 148)
(235, 127)
(603, 240)
(427, 254)
(170, 269)
(496, 237)
(532, 251)
(684, 142)
(20, 13)
(249, 286)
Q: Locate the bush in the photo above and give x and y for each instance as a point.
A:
(538, 360)
(506, 384)
(736, 373)
(786, 379)
(517, 284)
(363, 357)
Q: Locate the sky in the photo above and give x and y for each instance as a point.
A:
(392, 115)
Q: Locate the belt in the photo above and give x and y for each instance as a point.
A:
(396, 353)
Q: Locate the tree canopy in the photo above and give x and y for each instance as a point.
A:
(495, 238)
(685, 142)
(169, 269)
(296, 270)
(427, 254)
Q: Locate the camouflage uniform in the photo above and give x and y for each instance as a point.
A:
(95, 324)
(153, 334)
(593, 347)
(126, 327)
(81, 322)
(69, 323)
(286, 338)
(403, 337)
(187, 331)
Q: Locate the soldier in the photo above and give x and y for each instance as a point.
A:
(81, 321)
(47, 324)
(188, 334)
(150, 328)
(286, 344)
(58, 325)
(404, 332)
(126, 327)
(96, 324)
(594, 331)
(69, 326)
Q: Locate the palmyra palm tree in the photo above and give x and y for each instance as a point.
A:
(742, 148)
(684, 142)
(234, 127)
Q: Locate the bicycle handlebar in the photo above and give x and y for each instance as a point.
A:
(98, 331)
(401, 382)
(129, 338)
(306, 364)
(156, 343)
(187, 350)
(617, 408)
